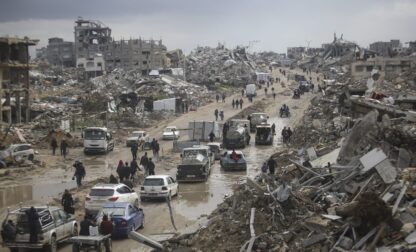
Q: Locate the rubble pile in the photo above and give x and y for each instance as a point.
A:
(207, 65)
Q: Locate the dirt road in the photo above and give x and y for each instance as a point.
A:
(193, 201)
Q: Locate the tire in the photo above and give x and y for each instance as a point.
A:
(31, 157)
(53, 246)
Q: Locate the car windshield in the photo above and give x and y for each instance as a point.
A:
(101, 192)
(153, 182)
(94, 134)
(114, 211)
(136, 134)
(169, 129)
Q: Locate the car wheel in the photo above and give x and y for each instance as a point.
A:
(53, 246)
(31, 157)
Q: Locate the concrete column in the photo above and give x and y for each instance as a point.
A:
(18, 108)
(9, 112)
(27, 103)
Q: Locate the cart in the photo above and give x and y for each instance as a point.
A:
(90, 243)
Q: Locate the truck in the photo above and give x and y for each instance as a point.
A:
(237, 136)
(256, 119)
(54, 225)
(264, 134)
(196, 164)
(251, 90)
(98, 140)
(200, 130)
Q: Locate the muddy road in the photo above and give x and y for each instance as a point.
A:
(194, 199)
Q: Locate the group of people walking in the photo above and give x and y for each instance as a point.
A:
(235, 103)
(63, 146)
(219, 113)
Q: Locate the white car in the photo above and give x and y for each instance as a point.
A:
(17, 153)
(135, 137)
(158, 186)
(104, 193)
(170, 133)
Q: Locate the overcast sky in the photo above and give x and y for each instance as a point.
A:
(187, 23)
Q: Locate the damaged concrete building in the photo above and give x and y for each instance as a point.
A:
(91, 39)
(386, 48)
(387, 66)
(60, 52)
(144, 55)
(14, 79)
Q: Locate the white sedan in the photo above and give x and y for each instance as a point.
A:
(170, 133)
(158, 186)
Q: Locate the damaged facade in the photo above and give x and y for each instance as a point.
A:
(14, 79)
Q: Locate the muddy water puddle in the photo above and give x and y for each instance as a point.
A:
(14, 195)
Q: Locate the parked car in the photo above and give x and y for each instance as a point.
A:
(55, 226)
(124, 216)
(158, 186)
(17, 153)
(215, 149)
(106, 193)
(228, 163)
(136, 136)
(170, 133)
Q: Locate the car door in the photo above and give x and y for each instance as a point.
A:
(59, 225)
(67, 223)
(133, 216)
(126, 195)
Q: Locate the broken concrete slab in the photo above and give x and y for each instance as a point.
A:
(386, 171)
(372, 158)
(404, 158)
(311, 153)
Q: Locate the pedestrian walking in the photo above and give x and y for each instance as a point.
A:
(157, 149)
(217, 97)
(223, 97)
(54, 145)
(216, 114)
(133, 169)
(144, 162)
(241, 103)
(153, 146)
(106, 228)
(151, 167)
(274, 96)
(211, 136)
(64, 146)
(265, 91)
(233, 103)
(222, 115)
(271, 164)
(242, 92)
(237, 103)
(134, 149)
(186, 107)
(79, 172)
(289, 133)
(68, 202)
(119, 170)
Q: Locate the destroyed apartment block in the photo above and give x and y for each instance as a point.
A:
(14, 79)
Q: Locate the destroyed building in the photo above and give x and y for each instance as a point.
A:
(386, 66)
(338, 47)
(60, 53)
(14, 79)
(91, 38)
(386, 48)
(144, 55)
(295, 52)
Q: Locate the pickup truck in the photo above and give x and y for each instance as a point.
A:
(54, 224)
(196, 164)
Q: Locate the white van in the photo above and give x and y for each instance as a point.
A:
(97, 140)
(251, 90)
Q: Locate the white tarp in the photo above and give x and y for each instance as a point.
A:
(165, 104)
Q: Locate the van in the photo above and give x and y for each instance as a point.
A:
(251, 90)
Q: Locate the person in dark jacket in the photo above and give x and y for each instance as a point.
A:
(271, 164)
(133, 169)
(54, 145)
(144, 161)
(211, 136)
(126, 170)
(241, 103)
(151, 167)
(113, 179)
(33, 224)
(64, 146)
(8, 231)
(68, 202)
(106, 228)
(85, 225)
(79, 172)
(120, 170)
(216, 114)
(134, 148)
(157, 149)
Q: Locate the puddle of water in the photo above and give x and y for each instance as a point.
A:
(38, 192)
